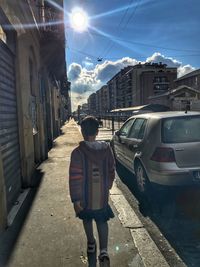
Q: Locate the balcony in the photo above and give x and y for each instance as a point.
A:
(161, 80)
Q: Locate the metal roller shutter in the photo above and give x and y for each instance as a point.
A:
(9, 138)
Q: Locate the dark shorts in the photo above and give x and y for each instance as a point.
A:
(101, 215)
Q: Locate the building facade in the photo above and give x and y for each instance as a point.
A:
(119, 89)
(184, 95)
(151, 79)
(102, 100)
(191, 79)
(92, 104)
(133, 85)
(181, 98)
(32, 86)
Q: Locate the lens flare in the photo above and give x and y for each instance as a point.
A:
(79, 20)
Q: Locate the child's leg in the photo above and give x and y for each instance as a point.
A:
(88, 227)
(102, 228)
(91, 245)
(104, 259)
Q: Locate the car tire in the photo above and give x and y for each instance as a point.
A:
(142, 180)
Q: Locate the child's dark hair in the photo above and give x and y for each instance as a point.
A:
(89, 126)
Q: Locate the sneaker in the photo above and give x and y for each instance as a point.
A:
(104, 260)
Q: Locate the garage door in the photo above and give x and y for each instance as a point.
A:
(9, 138)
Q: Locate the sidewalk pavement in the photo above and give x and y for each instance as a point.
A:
(46, 232)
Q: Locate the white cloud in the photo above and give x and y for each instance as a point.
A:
(108, 69)
(85, 81)
(182, 70)
(74, 71)
(157, 57)
(87, 63)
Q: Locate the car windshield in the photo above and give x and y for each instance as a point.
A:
(181, 129)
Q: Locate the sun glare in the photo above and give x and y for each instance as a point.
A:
(79, 20)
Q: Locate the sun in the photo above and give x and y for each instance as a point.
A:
(79, 20)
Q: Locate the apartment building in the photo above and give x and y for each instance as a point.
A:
(104, 106)
(33, 91)
(112, 93)
(119, 89)
(191, 79)
(133, 85)
(92, 105)
(184, 95)
(151, 79)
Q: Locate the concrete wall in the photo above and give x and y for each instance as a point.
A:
(27, 47)
(43, 94)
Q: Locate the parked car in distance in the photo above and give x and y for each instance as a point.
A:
(161, 148)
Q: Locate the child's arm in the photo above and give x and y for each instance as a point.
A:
(77, 207)
(111, 166)
(75, 178)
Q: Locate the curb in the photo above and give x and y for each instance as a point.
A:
(149, 253)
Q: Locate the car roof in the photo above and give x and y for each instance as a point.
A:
(166, 114)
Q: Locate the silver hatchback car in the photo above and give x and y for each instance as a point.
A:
(161, 148)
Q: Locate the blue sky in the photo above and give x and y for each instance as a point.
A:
(125, 32)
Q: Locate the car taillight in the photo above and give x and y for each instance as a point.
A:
(163, 154)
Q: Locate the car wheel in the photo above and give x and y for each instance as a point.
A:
(142, 179)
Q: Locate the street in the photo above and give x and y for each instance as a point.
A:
(173, 212)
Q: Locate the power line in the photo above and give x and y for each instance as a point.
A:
(118, 26)
(117, 58)
(133, 14)
(146, 44)
(129, 19)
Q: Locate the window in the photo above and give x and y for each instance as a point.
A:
(138, 128)
(126, 127)
(162, 79)
(181, 130)
(160, 88)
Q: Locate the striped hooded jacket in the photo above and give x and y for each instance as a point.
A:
(91, 174)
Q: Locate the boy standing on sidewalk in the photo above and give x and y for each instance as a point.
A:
(91, 175)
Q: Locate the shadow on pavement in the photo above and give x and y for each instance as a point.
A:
(9, 237)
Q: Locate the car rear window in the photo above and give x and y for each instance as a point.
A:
(181, 129)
